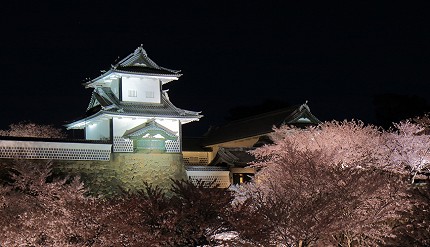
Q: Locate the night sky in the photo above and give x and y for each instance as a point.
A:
(350, 61)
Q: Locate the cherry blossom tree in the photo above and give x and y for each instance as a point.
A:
(409, 149)
(414, 228)
(304, 199)
(402, 150)
(38, 209)
(423, 121)
(36, 212)
(350, 143)
(341, 183)
(29, 129)
(203, 210)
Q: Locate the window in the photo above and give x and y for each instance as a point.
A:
(132, 93)
(149, 94)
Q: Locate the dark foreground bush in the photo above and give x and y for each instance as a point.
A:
(307, 204)
(37, 210)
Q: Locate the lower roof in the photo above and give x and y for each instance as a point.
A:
(262, 124)
(113, 107)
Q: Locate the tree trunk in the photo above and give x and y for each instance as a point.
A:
(349, 242)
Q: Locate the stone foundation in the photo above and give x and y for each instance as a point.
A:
(126, 171)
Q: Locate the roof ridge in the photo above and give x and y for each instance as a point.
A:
(130, 61)
(133, 57)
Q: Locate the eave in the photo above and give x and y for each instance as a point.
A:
(82, 123)
(114, 73)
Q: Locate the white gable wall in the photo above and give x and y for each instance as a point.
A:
(99, 130)
(141, 89)
(171, 124)
(120, 125)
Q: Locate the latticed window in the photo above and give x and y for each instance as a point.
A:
(193, 160)
(122, 145)
(39, 151)
(132, 93)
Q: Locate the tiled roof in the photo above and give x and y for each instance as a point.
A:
(235, 157)
(139, 63)
(144, 70)
(260, 124)
(165, 109)
(111, 105)
(103, 97)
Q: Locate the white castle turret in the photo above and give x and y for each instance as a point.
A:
(130, 107)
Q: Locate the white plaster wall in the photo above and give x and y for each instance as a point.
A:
(98, 131)
(142, 86)
(171, 124)
(120, 125)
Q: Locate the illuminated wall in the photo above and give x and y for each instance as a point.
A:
(98, 131)
(137, 89)
(120, 125)
(128, 171)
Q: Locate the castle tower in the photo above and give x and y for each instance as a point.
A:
(130, 96)
(130, 109)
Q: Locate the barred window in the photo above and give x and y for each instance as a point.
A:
(132, 93)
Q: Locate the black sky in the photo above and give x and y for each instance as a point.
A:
(336, 56)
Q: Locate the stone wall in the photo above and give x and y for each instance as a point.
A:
(126, 171)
